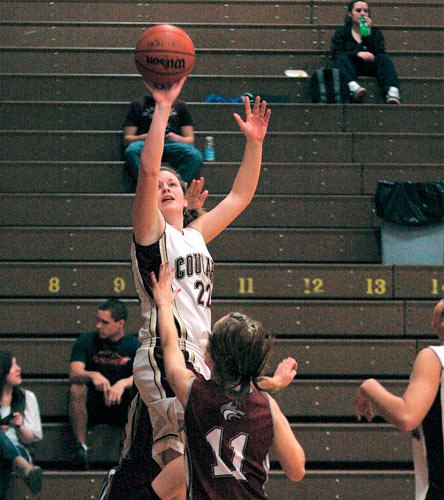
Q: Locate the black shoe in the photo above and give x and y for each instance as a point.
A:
(80, 458)
(33, 479)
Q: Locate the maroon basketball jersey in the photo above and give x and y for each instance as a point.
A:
(227, 447)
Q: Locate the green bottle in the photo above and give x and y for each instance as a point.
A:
(364, 28)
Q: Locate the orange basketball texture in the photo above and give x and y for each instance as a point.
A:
(164, 54)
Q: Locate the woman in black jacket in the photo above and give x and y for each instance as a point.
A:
(357, 55)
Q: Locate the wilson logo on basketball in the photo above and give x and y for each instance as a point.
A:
(166, 44)
(164, 54)
(165, 63)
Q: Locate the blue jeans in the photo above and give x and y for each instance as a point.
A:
(8, 452)
(184, 158)
(382, 68)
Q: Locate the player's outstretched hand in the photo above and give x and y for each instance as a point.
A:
(282, 377)
(256, 121)
(363, 407)
(161, 287)
(196, 195)
(285, 372)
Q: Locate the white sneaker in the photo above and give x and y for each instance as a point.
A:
(393, 96)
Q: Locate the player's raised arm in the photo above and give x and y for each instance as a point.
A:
(148, 222)
(254, 128)
(176, 371)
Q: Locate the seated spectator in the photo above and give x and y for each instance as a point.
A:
(356, 55)
(179, 150)
(101, 375)
(20, 427)
(419, 409)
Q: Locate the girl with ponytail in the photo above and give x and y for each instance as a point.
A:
(230, 422)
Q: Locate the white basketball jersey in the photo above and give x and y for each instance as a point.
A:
(428, 445)
(187, 252)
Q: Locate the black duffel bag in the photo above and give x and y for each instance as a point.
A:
(410, 203)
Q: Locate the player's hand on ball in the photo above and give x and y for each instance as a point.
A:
(166, 94)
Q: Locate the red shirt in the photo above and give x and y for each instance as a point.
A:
(227, 447)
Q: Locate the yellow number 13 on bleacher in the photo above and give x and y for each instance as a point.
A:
(376, 286)
(437, 288)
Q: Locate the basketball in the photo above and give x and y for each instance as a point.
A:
(164, 54)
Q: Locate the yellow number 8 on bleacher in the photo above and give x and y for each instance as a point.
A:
(54, 284)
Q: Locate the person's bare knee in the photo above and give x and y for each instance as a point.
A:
(77, 393)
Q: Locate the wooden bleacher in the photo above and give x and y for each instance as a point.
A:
(304, 258)
(101, 88)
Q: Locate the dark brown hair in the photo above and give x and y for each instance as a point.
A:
(239, 349)
(117, 309)
(18, 402)
(350, 6)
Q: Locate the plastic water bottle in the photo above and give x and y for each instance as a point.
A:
(364, 28)
(209, 151)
